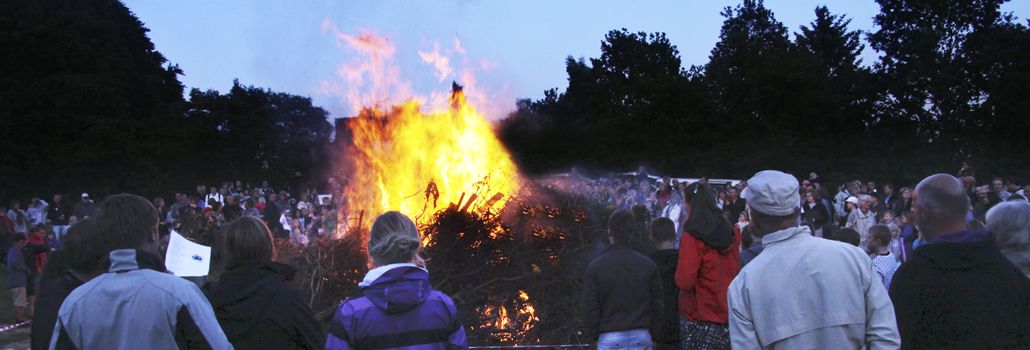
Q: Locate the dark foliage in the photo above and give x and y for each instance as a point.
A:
(951, 84)
(88, 104)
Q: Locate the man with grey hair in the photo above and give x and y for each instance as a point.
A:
(1010, 223)
(862, 218)
(804, 292)
(958, 291)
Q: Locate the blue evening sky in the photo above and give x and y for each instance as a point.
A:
(514, 48)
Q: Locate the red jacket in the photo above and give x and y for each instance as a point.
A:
(703, 275)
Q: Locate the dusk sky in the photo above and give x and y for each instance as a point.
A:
(513, 48)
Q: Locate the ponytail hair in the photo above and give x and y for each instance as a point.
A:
(393, 239)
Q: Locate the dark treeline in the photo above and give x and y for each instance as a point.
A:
(952, 82)
(88, 104)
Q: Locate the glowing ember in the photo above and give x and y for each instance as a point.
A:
(507, 327)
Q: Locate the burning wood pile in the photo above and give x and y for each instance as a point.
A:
(508, 251)
(513, 274)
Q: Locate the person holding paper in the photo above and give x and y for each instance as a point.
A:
(254, 300)
(167, 312)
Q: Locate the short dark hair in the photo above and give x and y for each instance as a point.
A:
(247, 238)
(84, 248)
(18, 237)
(848, 236)
(663, 230)
(620, 225)
(126, 220)
(881, 233)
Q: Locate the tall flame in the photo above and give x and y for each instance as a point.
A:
(420, 163)
(401, 158)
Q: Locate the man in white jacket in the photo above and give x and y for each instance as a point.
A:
(804, 292)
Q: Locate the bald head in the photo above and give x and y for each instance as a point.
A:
(941, 205)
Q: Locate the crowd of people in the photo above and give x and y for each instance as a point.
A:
(798, 269)
(771, 262)
(300, 216)
(106, 287)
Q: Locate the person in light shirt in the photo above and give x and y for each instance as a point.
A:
(804, 292)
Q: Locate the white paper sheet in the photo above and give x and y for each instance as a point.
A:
(185, 258)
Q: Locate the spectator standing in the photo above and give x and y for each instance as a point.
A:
(884, 262)
(37, 211)
(58, 214)
(84, 208)
(1010, 222)
(80, 261)
(663, 233)
(958, 291)
(774, 299)
(167, 309)
(840, 202)
(622, 317)
(709, 260)
(6, 232)
(254, 300)
(734, 204)
(815, 214)
(232, 209)
(214, 195)
(18, 277)
(18, 217)
(861, 219)
(398, 307)
(998, 187)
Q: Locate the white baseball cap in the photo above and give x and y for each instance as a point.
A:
(773, 192)
(852, 200)
(85, 195)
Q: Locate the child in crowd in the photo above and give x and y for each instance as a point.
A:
(18, 275)
(884, 262)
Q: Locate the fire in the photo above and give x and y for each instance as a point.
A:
(420, 163)
(510, 327)
(401, 157)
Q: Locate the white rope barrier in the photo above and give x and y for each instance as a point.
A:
(13, 326)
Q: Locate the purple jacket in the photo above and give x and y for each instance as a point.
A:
(397, 310)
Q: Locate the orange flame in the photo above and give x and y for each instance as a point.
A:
(401, 158)
(418, 164)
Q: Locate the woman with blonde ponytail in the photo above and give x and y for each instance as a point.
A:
(398, 308)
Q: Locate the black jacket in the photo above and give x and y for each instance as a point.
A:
(961, 295)
(48, 303)
(259, 308)
(667, 336)
(816, 215)
(622, 290)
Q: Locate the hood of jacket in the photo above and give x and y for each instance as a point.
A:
(396, 288)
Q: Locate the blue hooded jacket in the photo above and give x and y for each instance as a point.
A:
(398, 309)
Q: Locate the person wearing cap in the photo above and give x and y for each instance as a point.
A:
(84, 208)
(861, 218)
(804, 292)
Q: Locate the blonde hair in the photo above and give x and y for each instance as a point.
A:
(393, 239)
